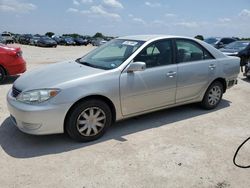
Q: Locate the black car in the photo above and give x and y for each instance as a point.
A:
(236, 48)
(240, 49)
(69, 41)
(25, 39)
(46, 42)
(34, 40)
(81, 41)
(219, 42)
(59, 40)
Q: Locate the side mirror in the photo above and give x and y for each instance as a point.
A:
(136, 66)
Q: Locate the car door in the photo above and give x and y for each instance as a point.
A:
(156, 85)
(195, 68)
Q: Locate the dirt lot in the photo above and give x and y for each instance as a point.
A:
(179, 147)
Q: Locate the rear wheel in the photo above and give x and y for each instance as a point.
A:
(2, 74)
(212, 96)
(88, 120)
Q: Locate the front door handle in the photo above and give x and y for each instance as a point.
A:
(171, 74)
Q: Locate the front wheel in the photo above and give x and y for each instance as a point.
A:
(88, 120)
(212, 96)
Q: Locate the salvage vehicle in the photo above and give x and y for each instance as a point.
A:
(240, 49)
(7, 37)
(2, 40)
(125, 77)
(34, 40)
(69, 41)
(220, 42)
(11, 62)
(46, 41)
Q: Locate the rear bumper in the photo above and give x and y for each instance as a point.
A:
(18, 66)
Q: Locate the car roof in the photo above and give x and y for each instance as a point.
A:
(150, 37)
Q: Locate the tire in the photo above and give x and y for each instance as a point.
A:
(90, 127)
(212, 96)
(2, 75)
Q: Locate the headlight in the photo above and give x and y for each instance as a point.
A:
(37, 96)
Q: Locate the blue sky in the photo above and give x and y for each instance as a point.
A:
(120, 17)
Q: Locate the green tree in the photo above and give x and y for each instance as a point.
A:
(98, 35)
(200, 37)
(49, 34)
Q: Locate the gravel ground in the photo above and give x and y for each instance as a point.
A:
(179, 147)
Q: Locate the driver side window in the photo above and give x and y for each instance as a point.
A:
(158, 53)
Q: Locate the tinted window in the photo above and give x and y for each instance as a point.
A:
(156, 54)
(190, 51)
(227, 40)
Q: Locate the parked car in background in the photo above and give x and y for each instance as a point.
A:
(59, 40)
(69, 41)
(7, 37)
(46, 41)
(25, 39)
(16, 38)
(2, 40)
(240, 49)
(126, 77)
(98, 42)
(11, 61)
(80, 41)
(234, 48)
(34, 40)
(219, 42)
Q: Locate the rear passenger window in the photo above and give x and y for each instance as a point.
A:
(190, 51)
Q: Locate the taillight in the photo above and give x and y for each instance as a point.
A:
(19, 54)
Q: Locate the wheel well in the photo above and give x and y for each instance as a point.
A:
(97, 97)
(223, 82)
(5, 71)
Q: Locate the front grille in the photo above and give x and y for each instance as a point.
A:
(15, 92)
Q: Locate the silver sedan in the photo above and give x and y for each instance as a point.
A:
(125, 77)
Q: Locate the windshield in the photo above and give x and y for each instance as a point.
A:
(68, 39)
(112, 54)
(46, 38)
(211, 40)
(6, 35)
(239, 45)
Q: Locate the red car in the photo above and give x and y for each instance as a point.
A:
(11, 61)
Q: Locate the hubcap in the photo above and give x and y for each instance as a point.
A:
(214, 95)
(91, 121)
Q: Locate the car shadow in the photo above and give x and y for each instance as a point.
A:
(9, 80)
(246, 79)
(21, 145)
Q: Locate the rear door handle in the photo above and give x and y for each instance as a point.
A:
(171, 74)
(212, 66)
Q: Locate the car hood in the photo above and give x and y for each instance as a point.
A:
(52, 76)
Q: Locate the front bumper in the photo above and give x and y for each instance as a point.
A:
(38, 119)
